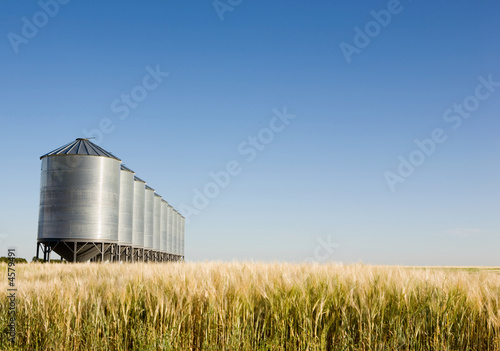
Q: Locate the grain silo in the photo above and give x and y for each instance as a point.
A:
(156, 225)
(183, 220)
(94, 208)
(164, 229)
(179, 243)
(175, 235)
(170, 251)
(79, 202)
(179, 240)
(178, 230)
(138, 232)
(148, 221)
(181, 236)
(126, 214)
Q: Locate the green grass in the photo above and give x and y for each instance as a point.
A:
(253, 306)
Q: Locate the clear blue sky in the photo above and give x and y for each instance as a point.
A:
(323, 177)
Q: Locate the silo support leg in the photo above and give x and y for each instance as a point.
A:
(74, 252)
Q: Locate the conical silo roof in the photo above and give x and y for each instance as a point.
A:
(139, 179)
(124, 168)
(81, 146)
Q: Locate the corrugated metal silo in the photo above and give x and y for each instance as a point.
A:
(176, 231)
(79, 197)
(183, 234)
(149, 217)
(164, 226)
(177, 228)
(126, 214)
(170, 227)
(157, 222)
(139, 202)
(92, 207)
(179, 245)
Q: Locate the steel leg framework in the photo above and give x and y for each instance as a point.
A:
(85, 251)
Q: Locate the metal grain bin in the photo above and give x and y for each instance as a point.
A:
(156, 222)
(170, 228)
(149, 217)
(79, 194)
(139, 202)
(183, 234)
(180, 234)
(164, 225)
(174, 232)
(179, 243)
(177, 233)
(126, 214)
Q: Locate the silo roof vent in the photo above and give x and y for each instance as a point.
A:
(81, 146)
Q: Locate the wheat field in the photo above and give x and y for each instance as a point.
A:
(252, 306)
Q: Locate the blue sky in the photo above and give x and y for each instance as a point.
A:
(318, 189)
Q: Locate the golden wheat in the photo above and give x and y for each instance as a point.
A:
(252, 306)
